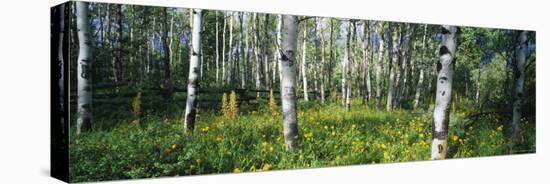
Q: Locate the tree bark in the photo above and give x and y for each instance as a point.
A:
(378, 64)
(404, 67)
(445, 67)
(322, 69)
(256, 58)
(84, 68)
(303, 66)
(279, 46)
(217, 50)
(521, 54)
(120, 39)
(345, 61)
(230, 52)
(267, 85)
(242, 61)
(223, 48)
(194, 74)
(288, 82)
(167, 41)
(393, 56)
(421, 69)
(366, 59)
(331, 54)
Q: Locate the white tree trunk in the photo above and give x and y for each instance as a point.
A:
(223, 47)
(267, 85)
(378, 64)
(242, 61)
(304, 52)
(394, 57)
(256, 27)
(84, 83)
(322, 69)
(278, 45)
(349, 54)
(521, 54)
(445, 67)
(366, 74)
(288, 82)
(345, 64)
(194, 74)
(421, 68)
(230, 52)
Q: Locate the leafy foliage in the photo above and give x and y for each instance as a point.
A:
(330, 136)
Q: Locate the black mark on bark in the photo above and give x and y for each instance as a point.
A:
(443, 50)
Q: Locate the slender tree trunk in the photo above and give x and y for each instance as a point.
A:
(217, 50)
(478, 86)
(404, 68)
(84, 68)
(421, 69)
(445, 67)
(345, 62)
(119, 49)
(323, 51)
(168, 51)
(242, 61)
(331, 55)
(256, 58)
(366, 59)
(394, 57)
(288, 82)
(521, 54)
(378, 64)
(194, 74)
(267, 85)
(246, 53)
(303, 68)
(230, 52)
(223, 48)
(349, 52)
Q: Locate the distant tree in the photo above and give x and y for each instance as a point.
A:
(378, 63)
(393, 56)
(421, 69)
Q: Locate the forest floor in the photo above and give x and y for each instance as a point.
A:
(121, 147)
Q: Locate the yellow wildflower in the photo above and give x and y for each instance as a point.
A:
(266, 167)
(236, 170)
(386, 155)
(455, 137)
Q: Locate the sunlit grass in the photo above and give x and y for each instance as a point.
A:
(252, 142)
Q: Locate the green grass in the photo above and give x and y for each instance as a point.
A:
(328, 136)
